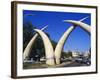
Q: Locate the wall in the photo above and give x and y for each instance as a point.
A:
(5, 41)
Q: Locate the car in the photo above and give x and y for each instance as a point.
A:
(83, 61)
(86, 61)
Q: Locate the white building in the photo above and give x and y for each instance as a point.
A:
(86, 54)
(75, 54)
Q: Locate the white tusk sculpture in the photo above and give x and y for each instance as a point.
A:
(50, 54)
(29, 46)
(60, 44)
(48, 47)
(64, 37)
(84, 26)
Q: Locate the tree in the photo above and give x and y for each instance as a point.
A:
(66, 54)
(28, 33)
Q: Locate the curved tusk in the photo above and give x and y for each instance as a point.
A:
(29, 46)
(60, 44)
(84, 26)
(48, 47)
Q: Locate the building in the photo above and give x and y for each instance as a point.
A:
(75, 54)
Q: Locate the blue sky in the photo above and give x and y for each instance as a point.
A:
(78, 39)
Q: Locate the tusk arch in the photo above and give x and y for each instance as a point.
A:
(48, 47)
(29, 46)
(64, 37)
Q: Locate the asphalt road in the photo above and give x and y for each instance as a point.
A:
(43, 65)
(73, 64)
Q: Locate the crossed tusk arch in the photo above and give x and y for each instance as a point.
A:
(30, 44)
(50, 53)
(65, 36)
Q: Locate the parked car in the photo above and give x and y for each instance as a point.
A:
(83, 61)
(86, 61)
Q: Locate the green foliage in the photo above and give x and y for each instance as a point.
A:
(54, 44)
(66, 54)
(28, 32)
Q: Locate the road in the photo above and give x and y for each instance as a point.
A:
(73, 64)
